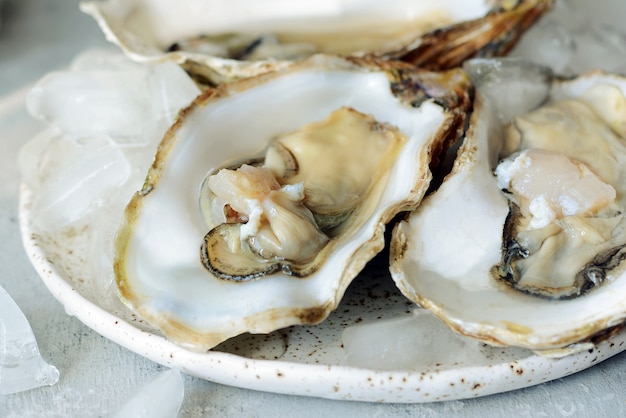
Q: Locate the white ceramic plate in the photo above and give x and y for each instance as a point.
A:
(302, 360)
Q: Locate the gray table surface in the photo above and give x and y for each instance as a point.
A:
(97, 375)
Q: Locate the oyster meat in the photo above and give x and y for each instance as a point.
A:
(523, 242)
(288, 210)
(221, 40)
(565, 232)
(268, 195)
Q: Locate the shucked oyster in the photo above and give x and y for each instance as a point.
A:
(333, 149)
(283, 215)
(532, 257)
(222, 40)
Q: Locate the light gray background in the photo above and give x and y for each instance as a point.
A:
(97, 376)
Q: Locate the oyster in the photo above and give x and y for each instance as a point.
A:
(532, 257)
(283, 215)
(218, 40)
(242, 226)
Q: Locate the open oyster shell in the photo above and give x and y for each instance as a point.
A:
(222, 40)
(158, 262)
(448, 255)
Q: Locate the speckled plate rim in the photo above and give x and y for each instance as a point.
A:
(294, 378)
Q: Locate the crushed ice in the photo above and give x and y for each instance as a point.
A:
(21, 366)
(105, 116)
(161, 398)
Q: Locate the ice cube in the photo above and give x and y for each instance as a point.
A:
(598, 47)
(72, 192)
(408, 343)
(21, 366)
(160, 398)
(514, 86)
(84, 104)
(114, 112)
(577, 36)
(106, 94)
(549, 45)
(40, 154)
(171, 89)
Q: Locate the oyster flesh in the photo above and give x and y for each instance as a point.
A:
(523, 242)
(268, 195)
(221, 40)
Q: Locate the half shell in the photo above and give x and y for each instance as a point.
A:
(158, 262)
(221, 40)
(443, 255)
